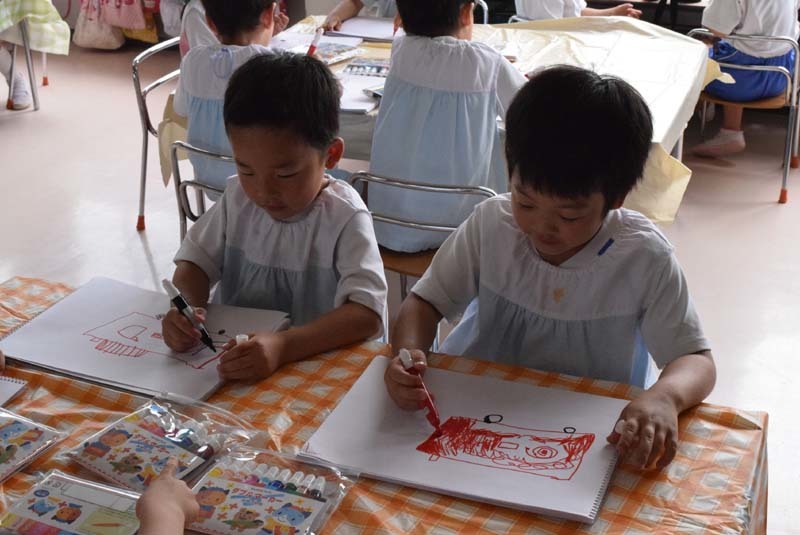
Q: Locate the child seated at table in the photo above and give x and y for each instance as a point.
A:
(768, 18)
(562, 9)
(244, 28)
(438, 120)
(557, 276)
(347, 9)
(284, 236)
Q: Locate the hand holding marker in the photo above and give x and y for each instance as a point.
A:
(188, 312)
(317, 36)
(433, 414)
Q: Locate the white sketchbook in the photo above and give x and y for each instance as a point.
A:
(353, 99)
(110, 332)
(368, 29)
(505, 443)
(9, 388)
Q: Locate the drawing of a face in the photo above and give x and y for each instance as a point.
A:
(11, 429)
(130, 464)
(291, 515)
(246, 514)
(114, 437)
(42, 507)
(211, 496)
(68, 513)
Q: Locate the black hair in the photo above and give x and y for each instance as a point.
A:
(286, 91)
(571, 132)
(233, 17)
(430, 18)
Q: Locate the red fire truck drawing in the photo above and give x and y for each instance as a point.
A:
(137, 335)
(552, 454)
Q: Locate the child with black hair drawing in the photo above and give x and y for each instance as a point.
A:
(284, 236)
(557, 276)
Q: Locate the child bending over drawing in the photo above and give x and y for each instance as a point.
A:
(284, 236)
(557, 276)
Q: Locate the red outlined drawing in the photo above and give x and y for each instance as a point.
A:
(137, 335)
(552, 454)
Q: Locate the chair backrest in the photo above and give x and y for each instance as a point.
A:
(365, 179)
(185, 211)
(517, 18)
(485, 8)
(792, 80)
(142, 92)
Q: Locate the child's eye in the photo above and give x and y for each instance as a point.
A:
(570, 219)
(287, 175)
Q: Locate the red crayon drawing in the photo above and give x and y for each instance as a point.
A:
(553, 454)
(137, 335)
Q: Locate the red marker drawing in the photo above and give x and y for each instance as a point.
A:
(315, 42)
(433, 414)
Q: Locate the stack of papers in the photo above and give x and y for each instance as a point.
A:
(368, 29)
(354, 99)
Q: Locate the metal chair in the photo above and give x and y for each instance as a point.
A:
(185, 211)
(144, 114)
(517, 18)
(788, 99)
(26, 44)
(412, 264)
(485, 8)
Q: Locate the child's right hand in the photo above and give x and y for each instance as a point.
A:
(179, 333)
(167, 501)
(332, 23)
(626, 10)
(406, 388)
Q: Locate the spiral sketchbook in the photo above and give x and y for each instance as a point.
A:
(110, 332)
(506, 443)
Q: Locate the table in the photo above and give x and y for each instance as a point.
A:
(48, 32)
(716, 484)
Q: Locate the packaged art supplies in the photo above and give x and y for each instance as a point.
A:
(62, 504)
(266, 493)
(368, 67)
(133, 450)
(330, 53)
(21, 441)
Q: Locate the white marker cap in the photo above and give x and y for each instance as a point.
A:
(620, 427)
(242, 338)
(319, 485)
(170, 288)
(405, 358)
(296, 479)
(306, 482)
(272, 473)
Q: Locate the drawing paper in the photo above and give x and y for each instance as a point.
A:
(507, 443)
(367, 28)
(110, 332)
(353, 99)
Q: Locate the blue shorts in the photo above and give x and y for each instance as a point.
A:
(750, 85)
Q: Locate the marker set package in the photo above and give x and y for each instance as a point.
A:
(267, 493)
(61, 504)
(133, 450)
(21, 441)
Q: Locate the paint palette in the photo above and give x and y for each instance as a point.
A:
(21, 441)
(65, 504)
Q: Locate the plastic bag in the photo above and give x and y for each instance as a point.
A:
(124, 14)
(61, 503)
(250, 488)
(21, 441)
(92, 32)
(147, 35)
(134, 449)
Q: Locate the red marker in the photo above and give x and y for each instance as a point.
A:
(315, 42)
(433, 414)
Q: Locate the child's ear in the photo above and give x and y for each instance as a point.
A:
(466, 16)
(334, 153)
(618, 203)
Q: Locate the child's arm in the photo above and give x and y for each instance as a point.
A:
(622, 10)
(194, 284)
(167, 505)
(346, 9)
(415, 329)
(647, 432)
(264, 353)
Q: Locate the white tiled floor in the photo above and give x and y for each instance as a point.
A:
(69, 179)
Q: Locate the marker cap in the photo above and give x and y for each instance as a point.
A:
(405, 358)
(319, 485)
(242, 338)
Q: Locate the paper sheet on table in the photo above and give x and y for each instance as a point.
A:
(288, 40)
(547, 455)
(367, 28)
(354, 100)
(110, 332)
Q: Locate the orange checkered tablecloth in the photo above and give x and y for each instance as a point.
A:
(717, 483)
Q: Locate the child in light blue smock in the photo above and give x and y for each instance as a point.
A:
(244, 29)
(438, 120)
(557, 276)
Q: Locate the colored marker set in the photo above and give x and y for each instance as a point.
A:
(21, 441)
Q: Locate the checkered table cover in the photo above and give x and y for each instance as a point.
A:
(717, 483)
(48, 32)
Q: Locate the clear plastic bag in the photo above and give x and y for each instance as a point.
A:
(21, 441)
(249, 488)
(61, 503)
(134, 449)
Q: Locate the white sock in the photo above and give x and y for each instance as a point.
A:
(5, 61)
(730, 134)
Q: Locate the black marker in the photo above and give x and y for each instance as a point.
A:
(188, 312)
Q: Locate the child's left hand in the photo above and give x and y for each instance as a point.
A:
(626, 10)
(281, 22)
(647, 431)
(257, 358)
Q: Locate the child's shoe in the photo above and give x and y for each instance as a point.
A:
(725, 143)
(21, 96)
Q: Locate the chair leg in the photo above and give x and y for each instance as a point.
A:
(10, 100)
(45, 80)
(23, 26)
(703, 115)
(795, 152)
(790, 130)
(142, 180)
(403, 287)
(662, 4)
(673, 14)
